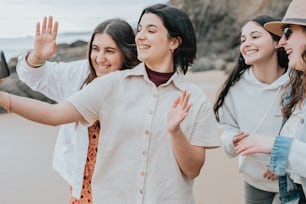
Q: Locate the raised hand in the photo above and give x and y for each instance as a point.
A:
(178, 112)
(45, 38)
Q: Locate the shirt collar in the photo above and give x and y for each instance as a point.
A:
(177, 79)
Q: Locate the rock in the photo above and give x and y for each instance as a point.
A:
(218, 22)
(65, 52)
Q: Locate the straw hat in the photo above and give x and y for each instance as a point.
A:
(295, 14)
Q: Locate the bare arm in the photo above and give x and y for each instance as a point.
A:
(41, 112)
(190, 158)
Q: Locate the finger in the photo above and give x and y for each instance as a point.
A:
(50, 22)
(176, 102)
(239, 137)
(44, 25)
(183, 97)
(182, 117)
(185, 100)
(274, 177)
(37, 33)
(55, 29)
(188, 108)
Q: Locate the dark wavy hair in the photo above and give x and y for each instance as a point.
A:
(178, 24)
(241, 66)
(297, 86)
(123, 35)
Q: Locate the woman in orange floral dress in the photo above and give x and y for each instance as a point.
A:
(112, 47)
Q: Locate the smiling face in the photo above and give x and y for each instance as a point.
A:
(257, 44)
(105, 55)
(294, 42)
(154, 46)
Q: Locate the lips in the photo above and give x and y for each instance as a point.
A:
(248, 52)
(143, 46)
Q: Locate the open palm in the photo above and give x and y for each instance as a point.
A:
(45, 38)
(178, 112)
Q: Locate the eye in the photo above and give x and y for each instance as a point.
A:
(287, 32)
(110, 51)
(94, 48)
(138, 28)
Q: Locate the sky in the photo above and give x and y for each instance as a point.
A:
(18, 17)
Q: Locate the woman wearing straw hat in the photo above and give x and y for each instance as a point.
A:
(288, 150)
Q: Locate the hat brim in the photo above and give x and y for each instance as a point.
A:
(276, 27)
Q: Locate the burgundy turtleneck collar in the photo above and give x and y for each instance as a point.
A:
(158, 78)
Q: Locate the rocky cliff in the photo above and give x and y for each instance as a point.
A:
(218, 23)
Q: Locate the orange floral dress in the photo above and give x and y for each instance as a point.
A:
(86, 196)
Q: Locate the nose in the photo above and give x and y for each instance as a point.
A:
(139, 35)
(247, 42)
(101, 56)
(282, 42)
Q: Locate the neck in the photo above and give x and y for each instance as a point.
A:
(163, 66)
(268, 72)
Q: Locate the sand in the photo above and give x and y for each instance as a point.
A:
(26, 151)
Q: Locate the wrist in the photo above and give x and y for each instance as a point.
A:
(33, 60)
(6, 101)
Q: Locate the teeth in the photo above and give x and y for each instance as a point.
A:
(250, 51)
(103, 67)
(143, 46)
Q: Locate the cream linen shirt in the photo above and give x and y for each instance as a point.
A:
(135, 162)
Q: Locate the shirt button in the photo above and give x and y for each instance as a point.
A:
(141, 191)
(147, 132)
(142, 173)
(144, 153)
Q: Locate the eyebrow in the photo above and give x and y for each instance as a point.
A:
(252, 33)
(150, 25)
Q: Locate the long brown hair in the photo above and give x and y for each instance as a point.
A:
(124, 36)
(297, 87)
(241, 66)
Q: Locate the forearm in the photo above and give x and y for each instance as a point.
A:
(38, 111)
(189, 158)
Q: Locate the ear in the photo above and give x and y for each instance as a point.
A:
(175, 42)
(276, 45)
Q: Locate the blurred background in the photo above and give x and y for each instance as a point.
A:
(217, 24)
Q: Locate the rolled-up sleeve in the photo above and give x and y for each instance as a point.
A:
(279, 155)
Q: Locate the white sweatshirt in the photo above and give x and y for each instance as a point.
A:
(252, 107)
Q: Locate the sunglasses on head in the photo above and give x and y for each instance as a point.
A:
(287, 32)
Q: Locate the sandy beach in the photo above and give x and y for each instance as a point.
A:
(26, 151)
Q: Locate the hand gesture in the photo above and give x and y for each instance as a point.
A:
(45, 38)
(178, 112)
(269, 175)
(255, 144)
(238, 138)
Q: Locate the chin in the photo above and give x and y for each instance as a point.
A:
(141, 58)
